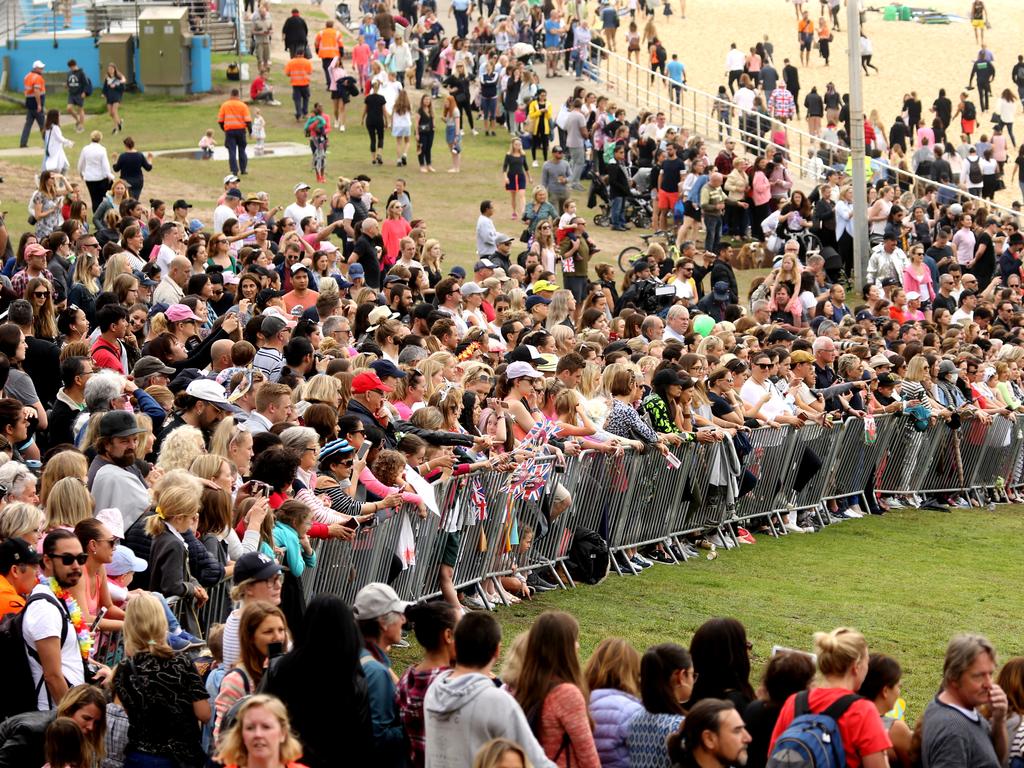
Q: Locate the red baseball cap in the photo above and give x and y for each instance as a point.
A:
(366, 381)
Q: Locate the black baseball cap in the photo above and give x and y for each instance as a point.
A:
(667, 377)
(119, 424)
(180, 204)
(254, 566)
(17, 552)
(386, 368)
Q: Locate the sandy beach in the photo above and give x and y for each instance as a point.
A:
(910, 56)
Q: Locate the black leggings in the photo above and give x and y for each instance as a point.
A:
(541, 141)
(426, 145)
(466, 111)
(376, 132)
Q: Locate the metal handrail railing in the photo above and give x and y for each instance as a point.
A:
(697, 111)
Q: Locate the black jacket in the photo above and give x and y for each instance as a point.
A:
(720, 270)
(22, 739)
(61, 420)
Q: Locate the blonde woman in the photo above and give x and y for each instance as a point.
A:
(501, 753)
(561, 310)
(86, 284)
(450, 371)
(69, 464)
(544, 246)
(118, 264)
(843, 664)
(177, 495)
(67, 504)
(477, 377)
(431, 256)
(261, 737)
(22, 521)
(517, 176)
(150, 660)
(180, 448)
(235, 444)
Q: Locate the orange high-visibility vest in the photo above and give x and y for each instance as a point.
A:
(234, 115)
(326, 43)
(35, 85)
(299, 71)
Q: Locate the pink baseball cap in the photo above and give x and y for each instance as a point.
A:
(178, 312)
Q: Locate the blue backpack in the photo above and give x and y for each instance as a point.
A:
(812, 740)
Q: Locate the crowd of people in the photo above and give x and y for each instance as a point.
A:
(195, 403)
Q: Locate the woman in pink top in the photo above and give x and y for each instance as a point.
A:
(917, 277)
(407, 393)
(760, 195)
(964, 241)
(392, 230)
(925, 132)
(553, 694)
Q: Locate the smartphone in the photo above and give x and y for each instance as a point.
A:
(259, 488)
(99, 617)
(274, 650)
(364, 449)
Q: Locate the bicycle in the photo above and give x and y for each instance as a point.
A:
(629, 254)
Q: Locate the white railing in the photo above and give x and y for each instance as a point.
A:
(697, 111)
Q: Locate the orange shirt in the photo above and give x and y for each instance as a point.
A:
(805, 27)
(234, 115)
(326, 43)
(10, 601)
(299, 71)
(35, 85)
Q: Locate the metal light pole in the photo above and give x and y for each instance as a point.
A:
(860, 194)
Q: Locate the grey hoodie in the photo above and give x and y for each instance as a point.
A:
(463, 714)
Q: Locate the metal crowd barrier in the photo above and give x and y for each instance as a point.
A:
(638, 499)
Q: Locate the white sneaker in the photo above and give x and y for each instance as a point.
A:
(534, 164)
(855, 511)
(644, 560)
(341, 128)
(475, 132)
(794, 528)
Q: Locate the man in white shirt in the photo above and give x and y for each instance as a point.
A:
(486, 234)
(965, 312)
(887, 260)
(301, 208)
(54, 657)
(677, 322)
(273, 405)
(170, 245)
(171, 287)
(734, 63)
(228, 209)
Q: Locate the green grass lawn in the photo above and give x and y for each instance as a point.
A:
(448, 202)
(908, 581)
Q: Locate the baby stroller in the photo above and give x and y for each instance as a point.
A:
(343, 14)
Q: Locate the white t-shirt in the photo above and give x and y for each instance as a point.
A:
(297, 212)
(221, 214)
(163, 259)
(42, 620)
(752, 392)
(734, 60)
(744, 99)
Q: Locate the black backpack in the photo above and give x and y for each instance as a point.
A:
(974, 172)
(589, 559)
(969, 112)
(21, 692)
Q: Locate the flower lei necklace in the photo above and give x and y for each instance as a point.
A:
(75, 612)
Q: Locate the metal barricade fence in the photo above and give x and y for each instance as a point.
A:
(770, 460)
(636, 499)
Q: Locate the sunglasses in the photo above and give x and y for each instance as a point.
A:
(41, 294)
(763, 365)
(346, 463)
(69, 559)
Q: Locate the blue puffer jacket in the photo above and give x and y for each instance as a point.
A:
(612, 711)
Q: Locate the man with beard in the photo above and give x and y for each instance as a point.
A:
(51, 641)
(202, 405)
(114, 480)
(712, 736)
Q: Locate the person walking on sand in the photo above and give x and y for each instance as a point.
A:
(979, 20)
(866, 52)
(805, 36)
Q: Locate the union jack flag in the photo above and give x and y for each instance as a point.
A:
(541, 432)
(478, 499)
